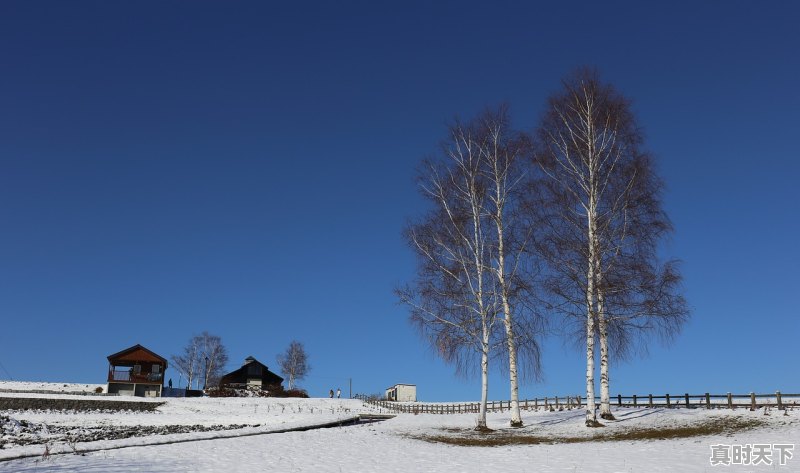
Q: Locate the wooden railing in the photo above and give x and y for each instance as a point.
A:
(129, 376)
(752, 401)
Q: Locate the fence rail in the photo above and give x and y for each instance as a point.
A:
(752, 401)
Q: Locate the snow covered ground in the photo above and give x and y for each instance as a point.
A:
(399, 444)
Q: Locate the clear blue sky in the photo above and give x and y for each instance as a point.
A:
(246, 168)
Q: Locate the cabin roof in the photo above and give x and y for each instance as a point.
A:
(137, 353)
(240, 375)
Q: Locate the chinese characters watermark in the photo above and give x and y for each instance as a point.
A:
(755, 454)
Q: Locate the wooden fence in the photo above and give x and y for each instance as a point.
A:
(692, 401)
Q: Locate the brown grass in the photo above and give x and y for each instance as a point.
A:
(471, 438)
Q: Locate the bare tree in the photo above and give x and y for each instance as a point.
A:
(294, 363)
(600, 204)
(214, 355)
(453, 300)
(502, 154)
(471, 251)
(203, 359)
(188, 363)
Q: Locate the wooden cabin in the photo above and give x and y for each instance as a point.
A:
(252, 375)
(136, 371)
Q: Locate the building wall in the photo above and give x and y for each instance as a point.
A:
(402, 393)
(406, 393)
(123, 389)
(132, 389)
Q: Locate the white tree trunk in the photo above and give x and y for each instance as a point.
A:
(591, 418)
(605, 398)
(484, 386)
(516, 418)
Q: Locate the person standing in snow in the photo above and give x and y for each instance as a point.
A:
(330, 393)
(338, 393)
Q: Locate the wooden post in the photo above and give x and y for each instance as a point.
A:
(619, 400)
(536, 403)
(730, 401)
(752, 401)
(668, 404)
(687, 400)
(579, 402)
(526, 404)
(780, 403)
(557, 402)
(634, 401)
(650, 400)
(708, 401)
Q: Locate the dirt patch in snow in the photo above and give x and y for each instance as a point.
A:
(472, 438)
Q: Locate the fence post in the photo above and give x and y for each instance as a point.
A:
(619, 400)
(536, 403)
(668, 404)
(708, 401)
(526, 404)
(730, 401)
(557, 402)
(687, 400)
(635, 404)
(650, 400)
(780, 403)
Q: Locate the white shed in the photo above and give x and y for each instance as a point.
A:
(402, 393)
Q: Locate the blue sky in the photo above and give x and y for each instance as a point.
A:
(246, 168)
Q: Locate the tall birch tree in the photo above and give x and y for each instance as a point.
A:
(601, 203)
(503, 152)
(453, 300)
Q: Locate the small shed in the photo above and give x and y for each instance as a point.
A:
(402, 393)
(253, 374)
(136, 371)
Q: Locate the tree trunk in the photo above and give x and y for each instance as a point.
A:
(484, 386)
(591, 418)
(516, 418)
(605, 398)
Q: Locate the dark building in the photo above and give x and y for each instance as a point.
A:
(136, 371)
(253, 374)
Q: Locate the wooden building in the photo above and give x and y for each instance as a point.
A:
(253, 375)
(136, 371)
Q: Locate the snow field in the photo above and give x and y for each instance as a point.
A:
(393, 445)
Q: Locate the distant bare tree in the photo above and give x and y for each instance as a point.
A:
(601, 210)
(203, 359)
(215, 357)
(294, 363)
(188, 363)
